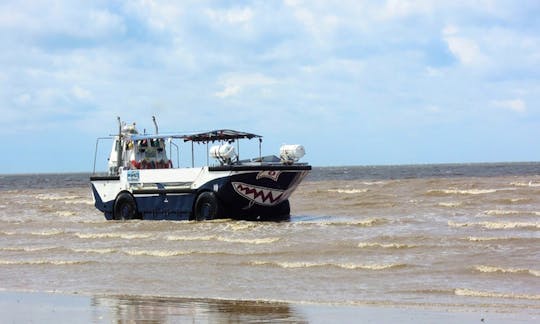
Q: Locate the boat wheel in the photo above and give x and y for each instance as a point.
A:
(206, 207)
(125, 207)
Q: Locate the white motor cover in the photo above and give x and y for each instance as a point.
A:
(290, 153)
(225, 152)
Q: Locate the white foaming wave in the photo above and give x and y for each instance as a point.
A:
(461, 191)
(65, 213)
(241, 226)
(492, 269)
(157, 253)
(373, 183)
(190, 238)
(348, 191)
(89, 202)
(515, 200)
(43, 262)
(266, 240)
(56, 197)
(126, 236)
(487, 239)
(489, 294)
(450, 204)
(50, 232)
(498, 225)
(502, 212)
(525, 184)
(27, 248)
(98, 251)
(369, 222)
(504, 238)
(385, 245)
(347, 266)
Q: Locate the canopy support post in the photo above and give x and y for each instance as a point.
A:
(192, 156)
(238, 150)
(260, 149)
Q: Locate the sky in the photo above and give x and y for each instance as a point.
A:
(356, 82)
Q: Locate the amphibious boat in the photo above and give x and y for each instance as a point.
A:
(143, 181)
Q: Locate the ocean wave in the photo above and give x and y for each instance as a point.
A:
(266, 240)
(525, 184)
(373, 183)
(491, 269)
(504, 238)
(65, 213)
(510, 201)
(450, 204)
(157, 253)
(385, 245)
(27, 248)
(498, 225)
(348, 191)
(55, 197)
(502, 212)
(488, 239)
(43, 262)
(460, 191)
(490, 294)
(347, 266)
(89, 202)
(241, 226)
(360, 223)
(50, 232)
(98, 251)
(190, 238)
(126, 236)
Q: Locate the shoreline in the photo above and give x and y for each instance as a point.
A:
(19, 306)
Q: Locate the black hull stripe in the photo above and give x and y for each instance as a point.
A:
(260, 168)
(104, 178)
(163, 191)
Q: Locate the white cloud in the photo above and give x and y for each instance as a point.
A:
(466, 50)
(320, 22)
(229, 91)
(231, 16)
(162, 15)
(516, 105)
(102, 23)
(23, 99)
(235, 83)
(80, 93)
(403, 8)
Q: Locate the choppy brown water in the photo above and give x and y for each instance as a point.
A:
(429, 242)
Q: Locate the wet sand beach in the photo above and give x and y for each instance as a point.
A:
(26, 307)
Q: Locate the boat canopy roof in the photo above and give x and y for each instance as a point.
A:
(219, 135)
(211, 136)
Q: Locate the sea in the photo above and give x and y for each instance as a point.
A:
(446, 236)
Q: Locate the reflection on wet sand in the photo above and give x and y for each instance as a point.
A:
(164, 309)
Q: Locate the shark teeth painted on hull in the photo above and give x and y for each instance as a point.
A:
(260, 195)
